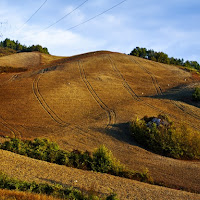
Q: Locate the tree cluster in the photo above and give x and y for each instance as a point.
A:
(15, 45)
(196, 94)
(165, 138)
(163, 58)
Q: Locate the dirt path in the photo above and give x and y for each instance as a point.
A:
(28, 169)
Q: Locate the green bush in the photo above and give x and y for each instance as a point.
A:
(43, 188)
(101, 160)
(81, 160)
(196, 94)
(104, 161)
(41, 149)
(112, 197)
(166, 139)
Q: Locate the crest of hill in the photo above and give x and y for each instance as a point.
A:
(74, 58)
(28, 60)
(37, 60)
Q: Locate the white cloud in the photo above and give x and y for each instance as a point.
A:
(161, 26)
(60, 42)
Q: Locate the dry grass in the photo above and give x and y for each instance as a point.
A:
(16, 195)
(31, 60)
(63, 92)
(6, 51)
(47, 59)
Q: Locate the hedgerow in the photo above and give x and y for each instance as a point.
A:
(43, 188)
(165, 138)
(101, 160)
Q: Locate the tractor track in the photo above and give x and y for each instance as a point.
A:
(153, 78)
(175, 103)
(43, 103)
(10, 79)
(13, 130)
(142, 101)
(46, 107)
(184, 109)
(125, 84)
(130, 90)
(110, 113)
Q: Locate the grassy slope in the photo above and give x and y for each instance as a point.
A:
(30, 60)
(40, 171)
(77, 100)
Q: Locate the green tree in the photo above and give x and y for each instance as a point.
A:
(139, 52)
(15, 45)
(163, 58)
(196, 94)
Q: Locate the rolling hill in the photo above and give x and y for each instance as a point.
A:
(87, 100)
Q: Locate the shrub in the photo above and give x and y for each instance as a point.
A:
(81, 160)
(41, 149)
(166, 139)
(42, 188)
(102, 159)
(105, 162)
(196, 94)
(112, 197)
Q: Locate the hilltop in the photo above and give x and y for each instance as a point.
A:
(87, 100)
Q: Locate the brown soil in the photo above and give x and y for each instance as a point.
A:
(28, 169)
(87, 100)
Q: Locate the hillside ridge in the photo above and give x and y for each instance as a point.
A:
(87, 100)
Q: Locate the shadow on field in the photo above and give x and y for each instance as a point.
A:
(51, 181)
(180, 93)
(120, 132)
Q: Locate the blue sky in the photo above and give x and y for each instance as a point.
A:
(170, 26)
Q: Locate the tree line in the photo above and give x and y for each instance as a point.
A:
(15, 45)
(163, 58)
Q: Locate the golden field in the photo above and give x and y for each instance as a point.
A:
(87, 100)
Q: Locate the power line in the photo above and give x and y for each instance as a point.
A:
(1, 26)
(86, 20)
(65, 16)
(96, 15)
(33, 15)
